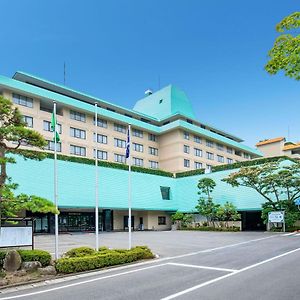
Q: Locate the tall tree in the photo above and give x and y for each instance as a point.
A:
(13, 134)
(285, 54)
(278, 183)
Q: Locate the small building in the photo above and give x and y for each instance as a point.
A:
(279, 147)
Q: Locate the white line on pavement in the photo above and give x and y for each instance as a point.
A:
(202, 267)
(82, 282)
(297, 234)
(287, 234)
(227, 275)
(101, 272)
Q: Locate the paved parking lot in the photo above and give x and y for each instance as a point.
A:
(192, 265)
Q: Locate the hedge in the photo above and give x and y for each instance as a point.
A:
(207, 228)
(42, 256)
(2, 256)
(79, 252)
(102, 259)
(106, 164)
(236, 165)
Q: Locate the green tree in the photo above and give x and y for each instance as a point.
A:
(228, 212)
(279, 185)
(206, 207)
(182, 218)
(13, 134)
(285, 54)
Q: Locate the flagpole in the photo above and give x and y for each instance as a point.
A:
(55, 182)
(129, 188)
(96, 180)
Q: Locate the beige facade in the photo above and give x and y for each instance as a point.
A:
(174, 151)
(279, 147)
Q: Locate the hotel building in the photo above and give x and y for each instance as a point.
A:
(165, 135)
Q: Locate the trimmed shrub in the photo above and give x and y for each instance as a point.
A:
(79, 252)
(102, 259)
(207, 228)
(42, 256)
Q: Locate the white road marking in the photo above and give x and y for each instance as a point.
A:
(288, 234)
(196, 287)
(202, 267)
(82, 282)
(73, 277)
(297, 234)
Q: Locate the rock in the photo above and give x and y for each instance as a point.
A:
(3, 281)
(12, 261)
(49, 270)
(20, 273)
(31, 265)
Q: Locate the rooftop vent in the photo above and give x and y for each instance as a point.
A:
(148, 92)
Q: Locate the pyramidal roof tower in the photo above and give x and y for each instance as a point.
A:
(165, 103)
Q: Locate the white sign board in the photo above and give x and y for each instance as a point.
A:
(15, 236)
(276, 216)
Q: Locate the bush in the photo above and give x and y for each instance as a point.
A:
(206, 228)
(102, 259)
(2, 256)
(42, 256)
(79, 252)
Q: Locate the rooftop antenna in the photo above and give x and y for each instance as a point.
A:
(64, 73)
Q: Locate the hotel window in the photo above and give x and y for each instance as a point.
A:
(77, 133)
(220, 147)
(119, 128)
(198, 152)
(197, 139)
(152, 137)
(229, 161)
(28, 120)
(165, 192)
(102, 139)
(210, 155)
(162, 220)
(138, 162)
(47, 126)
(76, 115)
(137, 133)
(237, 152)
(186, 135)
(101, 154)
(120, 158)
(186, 149)
(246, 155)
(198, 165)
(23, 100)
(220, 158)
(186, 163)
(209, 144)
(77, 150)
(153, 164)
(153, 151)
(50, 146)
(229, 150)
(101, 123)
(120, 143)
(138, 147)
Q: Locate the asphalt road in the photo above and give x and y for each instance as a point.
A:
(214, 266)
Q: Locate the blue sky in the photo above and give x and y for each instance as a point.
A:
(214, 50)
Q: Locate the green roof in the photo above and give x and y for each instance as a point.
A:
(165, 103)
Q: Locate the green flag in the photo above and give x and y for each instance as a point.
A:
(53, 122)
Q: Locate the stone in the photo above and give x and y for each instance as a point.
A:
(49, 270)
(20, 273)
(31, 265)
(3, 281)
(12, 261)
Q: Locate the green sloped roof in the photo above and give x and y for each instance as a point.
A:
(165, 103)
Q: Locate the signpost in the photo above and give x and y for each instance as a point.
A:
(276, 217)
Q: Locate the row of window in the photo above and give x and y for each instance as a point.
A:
(211, 144)
(199, 165)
